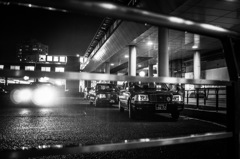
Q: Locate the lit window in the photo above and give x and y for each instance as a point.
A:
(42, 57)
(13, 67)
(1, 67)
(59, 69)
(62, 59)
(49, 58)
(29, 68)
(46, 69)
(55, 59)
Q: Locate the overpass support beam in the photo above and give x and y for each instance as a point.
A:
(132, 64)
(107, 68)
(150, 70)
(163, 57)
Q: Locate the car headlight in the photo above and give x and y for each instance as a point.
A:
(22, 95)
(101, 95)
(177, 98)
(44, 96)
(141, 97)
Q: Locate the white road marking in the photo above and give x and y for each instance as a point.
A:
(206, 121)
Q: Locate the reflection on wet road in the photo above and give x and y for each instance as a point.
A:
(86, 125)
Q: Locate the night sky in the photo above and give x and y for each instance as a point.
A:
(64, 33)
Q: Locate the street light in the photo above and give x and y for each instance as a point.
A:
(26, 78)
(142, 74)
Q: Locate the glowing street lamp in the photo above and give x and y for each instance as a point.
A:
(142, 74)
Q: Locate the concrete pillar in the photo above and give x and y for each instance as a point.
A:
(163, 58)
(196, 65)
(107, 68)
(81, 85)
(150, 70)
(132, 62)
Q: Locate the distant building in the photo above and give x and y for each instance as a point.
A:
(33, 56)
(29, 51)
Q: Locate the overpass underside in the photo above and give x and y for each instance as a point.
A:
(145, 37)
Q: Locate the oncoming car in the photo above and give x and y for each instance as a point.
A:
(37, 93)
(105, 94)
(147, 98)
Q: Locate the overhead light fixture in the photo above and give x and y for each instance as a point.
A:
(142, 74)
(149, 43)
(126, 56)
(26, 78)
(195, 47)
(112, 64)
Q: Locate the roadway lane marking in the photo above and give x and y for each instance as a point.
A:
(206, 121)
(24, 127)
(223, 112)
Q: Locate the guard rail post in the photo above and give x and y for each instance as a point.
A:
(197, 97)
(216, 93)
(205, 96)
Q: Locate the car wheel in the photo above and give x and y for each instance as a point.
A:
(132, 114)
(121, 109)
(175, 115)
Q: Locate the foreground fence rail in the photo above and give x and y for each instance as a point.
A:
(230, 41)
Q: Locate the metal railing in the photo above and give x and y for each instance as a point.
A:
(207, 98)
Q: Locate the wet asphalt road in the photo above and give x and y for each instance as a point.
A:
(83, 124)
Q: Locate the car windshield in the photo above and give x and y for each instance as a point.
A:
(150, 86)
(105, 87)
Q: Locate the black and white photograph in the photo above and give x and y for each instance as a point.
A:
(120, 79)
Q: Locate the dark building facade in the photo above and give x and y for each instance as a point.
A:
(28, 51)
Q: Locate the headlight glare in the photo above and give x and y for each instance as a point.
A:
(21, 95)
(44, 96)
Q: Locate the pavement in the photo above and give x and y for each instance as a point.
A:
(203, 112)
(66, 125)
